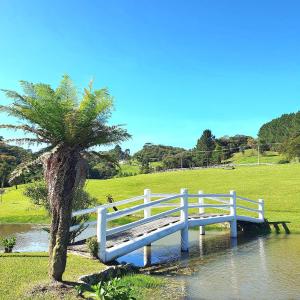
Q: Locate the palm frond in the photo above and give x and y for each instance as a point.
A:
(55, 116)
(26, 128)
(107, 135)
(23, 167)
(30, 141)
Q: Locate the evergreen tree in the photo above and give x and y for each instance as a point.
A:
(205, 146)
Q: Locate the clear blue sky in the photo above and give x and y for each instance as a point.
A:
(175, 68)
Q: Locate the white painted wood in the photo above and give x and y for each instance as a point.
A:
(124, 248)
(109, 205)
(209, 195)
(139, 242)
(184, 217)
(211, 220)
(101, 233)
(147, 199)
(247, 208)
(85, 211)
(218, 199)
(134, 224)
(194, 205)
(248, 200)
(261, 207)
(129, 211)
(156, 195)
(233, 223)
(147, 255)
(201, 211)
(167, 205)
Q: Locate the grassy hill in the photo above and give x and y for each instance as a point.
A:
(250, 157)
(277, 184)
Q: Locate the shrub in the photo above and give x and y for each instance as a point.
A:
(8, 243)
(92, 245)
(106, 291)
(284, 161)
(37, 192)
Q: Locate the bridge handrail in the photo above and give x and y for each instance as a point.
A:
(108, 205)
(208, 195)
(248, 208)
(128, 211)
(195, 205)
(246, 199)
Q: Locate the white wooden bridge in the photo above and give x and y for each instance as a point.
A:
(177, 212)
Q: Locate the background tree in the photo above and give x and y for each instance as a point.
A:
(67, 127)
(10, 157)
(217, 155)
(205, 146)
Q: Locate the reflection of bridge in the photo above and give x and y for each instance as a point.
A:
(177, 212)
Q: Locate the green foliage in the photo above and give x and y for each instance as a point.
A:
(8, 243)
(75, 123)
(103, 170)
(283, 161)
(37, 192)
(109, 290)
(152, 153)
(205, 145)
(93, 246)
(145, 167)
(185, 159)
(291, 147)
(280, 129)
(10, 157)
(119, 154)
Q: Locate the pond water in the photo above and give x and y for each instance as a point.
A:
(216, 267)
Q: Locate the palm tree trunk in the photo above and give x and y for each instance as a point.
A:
(61, 176)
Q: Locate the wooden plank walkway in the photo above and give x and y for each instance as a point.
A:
(139, 231)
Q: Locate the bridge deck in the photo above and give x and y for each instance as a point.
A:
(142, 230)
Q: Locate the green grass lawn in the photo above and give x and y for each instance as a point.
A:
(130, 169)
(250, 157)
(30, 270)
(277, 184)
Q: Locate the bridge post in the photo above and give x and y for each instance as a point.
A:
(201, 211)
(184, 219)
(147, 210)
(147, 199)
(261, 207)
(147, 255)
(101, 233)
(233, 223)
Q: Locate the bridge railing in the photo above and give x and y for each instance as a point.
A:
(230, 204)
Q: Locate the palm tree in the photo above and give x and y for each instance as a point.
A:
(67, 127)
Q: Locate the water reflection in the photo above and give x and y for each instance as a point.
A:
(218, 267)
(29, 237)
